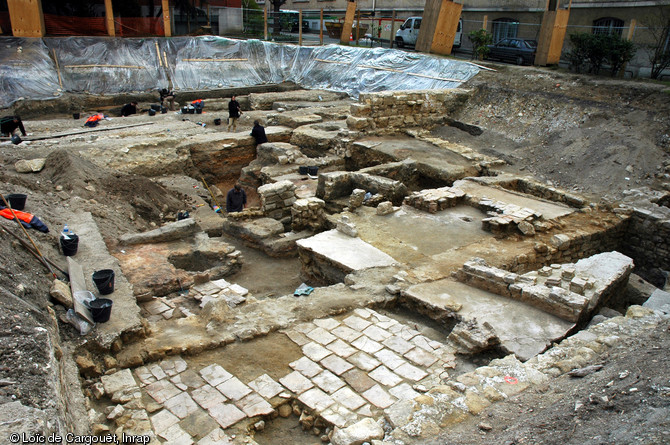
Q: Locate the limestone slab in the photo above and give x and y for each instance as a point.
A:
(358, 380)
(389, 358)
(316, 399)
(421, 357)
(328, 381)
(119, 381)
(157, 372)
(208, 397)
(366, 344)
(296, 382)
(404, 391)
(346, 333)
(162, 390)
(350, 253)
(410, 372)
(378, 397)
(306, 367)
(233, 388)
(216, 437)
(321, 336)
(181, 405)
(176, 435)
(215, 374)
(315, 351)
(296, 337)
(266, 386)
(376, 333)
(341, 348)
(226, 414)
(254, 405)
(327, 323)
(336, 364)
(385, 376)
(348, 398)
(356, 323)
(189, 378)
(398, 344)
(364, 361)
(163, 420)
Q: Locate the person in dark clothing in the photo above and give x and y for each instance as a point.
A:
(234, 112)
(167, 95)
(258, 132)
(236, 199)
(9, 124)
(129, 109)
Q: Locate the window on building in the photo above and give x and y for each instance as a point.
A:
(608, 25)
(504, 29)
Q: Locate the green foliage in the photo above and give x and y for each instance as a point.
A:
(592, 51)
(480, 38)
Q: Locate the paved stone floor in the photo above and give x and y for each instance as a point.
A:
(350, 369)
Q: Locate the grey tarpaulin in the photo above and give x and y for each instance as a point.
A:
(99, 65)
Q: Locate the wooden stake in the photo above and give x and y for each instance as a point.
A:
(137, 67)
(214, 60)
(158, 53)
(300, 28)
(211, 194)
(60, 79)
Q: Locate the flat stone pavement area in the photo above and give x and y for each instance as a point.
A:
(350, 369)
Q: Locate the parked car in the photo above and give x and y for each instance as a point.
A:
(409, 31)
(519, 51)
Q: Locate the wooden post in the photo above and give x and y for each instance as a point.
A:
(392, 38)
(300, 28)
(167, 28)
(109, 18)
(26, 18)
(348, 22)
(321, 28)
(358, 25)
(552, 34)
(265, 21)
(485, 22)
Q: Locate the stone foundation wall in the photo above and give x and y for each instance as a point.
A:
(309, 214)
(648, 237)
(340, 184)
(534, 188)
(434, 200)
(277, 199)
(396, 110)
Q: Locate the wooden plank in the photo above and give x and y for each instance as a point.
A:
(158, 53)
(214, 60)
(445, 31)
(431, 12)
(348, 22)
(167, 27)
(109, 18)
(558, 36)
(26, 18)
(60, 79)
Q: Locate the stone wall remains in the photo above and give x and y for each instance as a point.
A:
(277, 199)
(308, 213)
(340, 184)
(396, 110)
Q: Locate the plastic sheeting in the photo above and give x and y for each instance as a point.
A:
(110, 66)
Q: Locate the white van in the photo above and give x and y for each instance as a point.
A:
(409, 31)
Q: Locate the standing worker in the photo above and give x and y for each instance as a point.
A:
(129, 109)
(258, 132)
(236, 199)
(9, 124)
(234, 112)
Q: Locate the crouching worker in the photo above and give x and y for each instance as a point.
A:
(9, 124)
(94, 120)
(236, 199)
(258, 132)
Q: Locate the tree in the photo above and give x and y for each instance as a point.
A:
(659, 51)
(276, 26)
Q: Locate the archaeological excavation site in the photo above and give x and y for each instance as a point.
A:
(431, 250)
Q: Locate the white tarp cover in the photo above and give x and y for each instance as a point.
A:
(99, 65)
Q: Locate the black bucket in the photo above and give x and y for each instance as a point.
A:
(184, 110)
(101, 309)
(191, 110)
(313, 171)
(152, 112)
(302, 170)
(163, 110)
(70, 244)
(198, 111)
(16, 139)
(17, 201)
(104, 281)
(217, 121)
(156, 107)
(76, 115)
